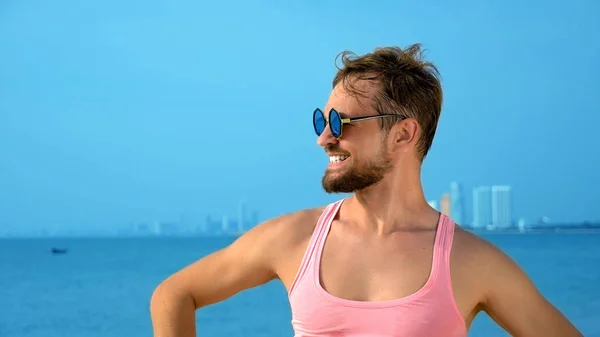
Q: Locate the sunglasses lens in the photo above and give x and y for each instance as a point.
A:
(319, 122)
(335, 122)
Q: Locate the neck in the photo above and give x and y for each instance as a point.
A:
(396, 203)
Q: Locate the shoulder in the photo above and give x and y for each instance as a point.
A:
(483, 262)
(467, 244)
(291, 226)
(277, 236)
(476, 252)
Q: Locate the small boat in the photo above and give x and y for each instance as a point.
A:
(58, 250)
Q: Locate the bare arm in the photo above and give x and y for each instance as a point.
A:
(246, 263)
(513, 301)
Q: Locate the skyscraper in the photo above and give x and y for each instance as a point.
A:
(501, 206)
(482, 207)
(457, 203)
(445, 207)
(225, 224)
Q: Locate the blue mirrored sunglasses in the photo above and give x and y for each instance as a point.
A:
(336, 122)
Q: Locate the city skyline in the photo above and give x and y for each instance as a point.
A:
(491, 209)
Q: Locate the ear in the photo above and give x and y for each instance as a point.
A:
(403, 133)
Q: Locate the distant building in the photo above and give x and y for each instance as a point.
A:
(212, 226)
(445, 203)
(482, 207)
(457, 203)
(156, 228)
(501, 206)
(225, 224)
(522, 225)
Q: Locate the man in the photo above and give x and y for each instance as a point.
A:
(380, 262)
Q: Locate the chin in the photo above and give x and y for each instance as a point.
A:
(350, 181)
(345, 183)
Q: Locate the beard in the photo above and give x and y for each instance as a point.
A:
(357, 177)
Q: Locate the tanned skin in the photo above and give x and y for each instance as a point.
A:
(386, 229)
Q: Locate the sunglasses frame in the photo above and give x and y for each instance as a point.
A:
(345, 120)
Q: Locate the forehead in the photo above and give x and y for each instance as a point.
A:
(354, 97)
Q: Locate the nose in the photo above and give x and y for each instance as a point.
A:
(326, 138)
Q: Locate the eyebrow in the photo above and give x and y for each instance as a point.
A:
(341, 113)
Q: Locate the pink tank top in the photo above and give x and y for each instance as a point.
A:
(430, 312)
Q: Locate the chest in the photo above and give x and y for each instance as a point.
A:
(328, 320)
(375, 269)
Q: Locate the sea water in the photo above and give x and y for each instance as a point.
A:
(102, 286)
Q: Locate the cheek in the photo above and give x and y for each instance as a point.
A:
(350, 146)
(362, 145)
(371, 147)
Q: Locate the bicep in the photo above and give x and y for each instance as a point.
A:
(244, 264)
(514, 302)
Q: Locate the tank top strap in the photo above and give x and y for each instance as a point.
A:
(316, 241)
(325, 226)
(449, 228)
(443, 246)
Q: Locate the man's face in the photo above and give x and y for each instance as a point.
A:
(359, 158)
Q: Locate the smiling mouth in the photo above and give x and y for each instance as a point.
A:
(337, 159)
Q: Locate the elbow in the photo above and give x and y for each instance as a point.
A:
(161, 297)
(167, 297)
(172, 312)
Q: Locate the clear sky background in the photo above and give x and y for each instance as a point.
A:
(119, 111)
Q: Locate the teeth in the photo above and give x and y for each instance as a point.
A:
(337, 159)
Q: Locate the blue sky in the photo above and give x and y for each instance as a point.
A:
(112, 111)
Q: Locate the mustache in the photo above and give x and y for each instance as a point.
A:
(336, 149)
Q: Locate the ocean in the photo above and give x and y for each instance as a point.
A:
(102, 287)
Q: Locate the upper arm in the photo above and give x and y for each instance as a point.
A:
(246, 263)
(512, 300)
